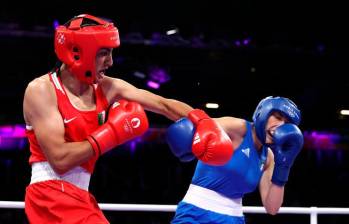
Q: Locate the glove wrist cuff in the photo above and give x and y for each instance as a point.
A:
(280, 175)
(94, 144)
(197, 115)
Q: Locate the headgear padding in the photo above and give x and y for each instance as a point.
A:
(76, 44)
(269, 105)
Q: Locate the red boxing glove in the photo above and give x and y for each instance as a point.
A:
(126, 120)
(210, 144)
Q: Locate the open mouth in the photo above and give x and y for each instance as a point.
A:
(271, 132)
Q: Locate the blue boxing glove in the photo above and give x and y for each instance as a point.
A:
(287, 143)
(179, 136)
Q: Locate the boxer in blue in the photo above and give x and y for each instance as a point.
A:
(264, 152)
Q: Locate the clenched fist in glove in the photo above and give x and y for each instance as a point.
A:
(287, 143)
(126, 120)
(201, 136)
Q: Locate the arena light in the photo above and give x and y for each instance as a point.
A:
(138, 74)
(173, 31)
(246, 41)
(157, 76)
(153, 85)
(55, 23)
(322, 140)
(212, 105)
(12, 137)
(344, 112)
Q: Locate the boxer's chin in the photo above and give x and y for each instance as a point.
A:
(100, 76)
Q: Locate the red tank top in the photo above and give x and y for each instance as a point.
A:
(78, 124)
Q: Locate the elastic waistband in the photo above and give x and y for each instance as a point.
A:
(42, 171)
(210, 200)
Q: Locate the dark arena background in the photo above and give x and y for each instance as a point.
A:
(198, 53)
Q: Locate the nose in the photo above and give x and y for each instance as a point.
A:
(109, 60)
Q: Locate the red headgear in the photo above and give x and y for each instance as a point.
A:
(76, 44)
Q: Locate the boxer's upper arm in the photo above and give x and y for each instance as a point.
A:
(172, 109)
(234, 127)
(41, 112)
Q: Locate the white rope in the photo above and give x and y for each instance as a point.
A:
(138, 207)
(172, 208)
(11, 204)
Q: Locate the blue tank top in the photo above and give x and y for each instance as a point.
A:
(240, 175)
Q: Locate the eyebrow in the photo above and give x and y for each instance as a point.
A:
(280, 116)
(283, 117)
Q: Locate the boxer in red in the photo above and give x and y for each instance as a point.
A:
(74, 114)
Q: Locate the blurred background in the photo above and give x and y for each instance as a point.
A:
(199, 53)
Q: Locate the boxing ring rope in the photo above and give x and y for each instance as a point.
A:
(312, 211)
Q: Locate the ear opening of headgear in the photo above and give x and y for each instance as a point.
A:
(272, 104)
(77, 42)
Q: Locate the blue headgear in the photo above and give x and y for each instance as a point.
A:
(269, 105)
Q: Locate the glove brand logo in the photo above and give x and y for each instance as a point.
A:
(66, 121)
(196, 139)
(135, 122)
(61, 38)
(127, 127)
(290, 111)
(115, 104)
(101, 117)
(113, 38)
(262, 167)
(246, 152)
